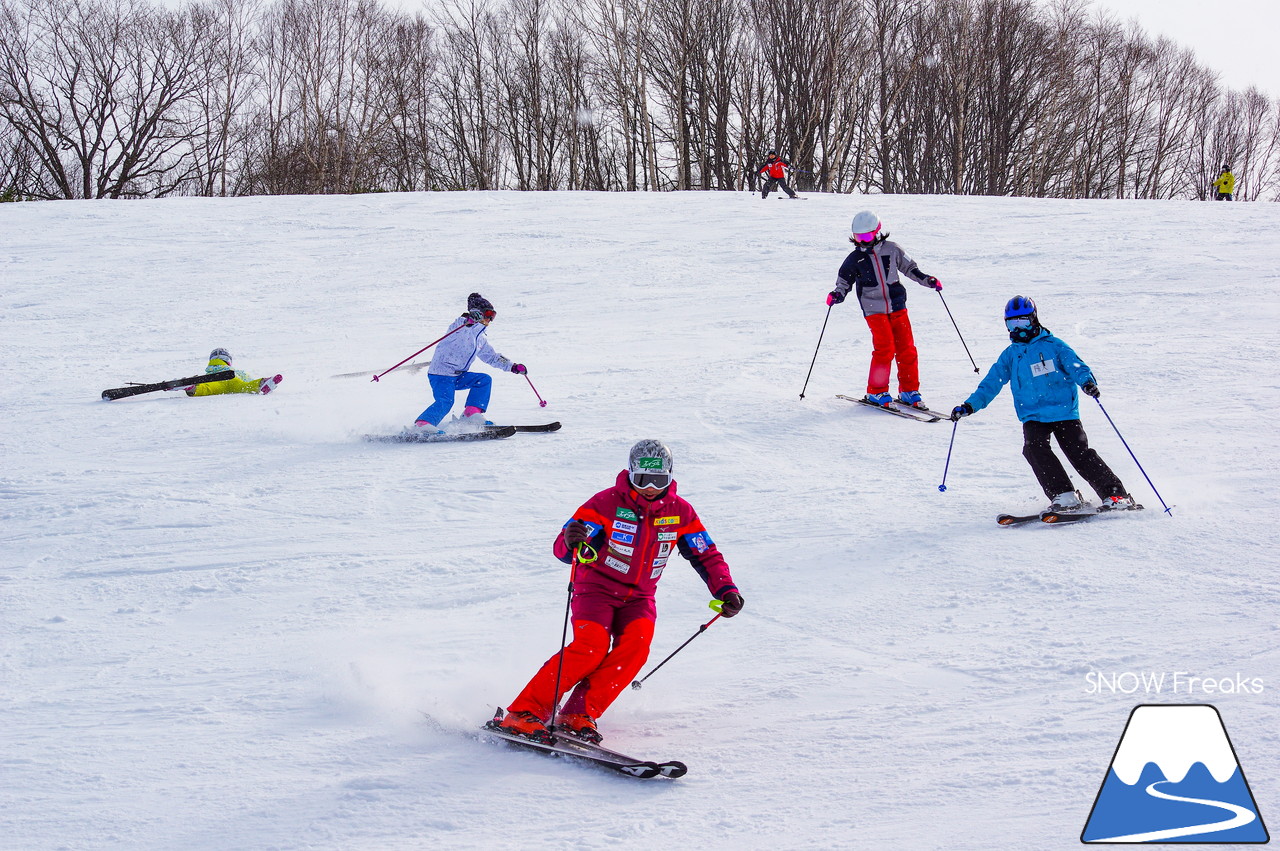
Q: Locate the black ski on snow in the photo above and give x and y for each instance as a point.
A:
(545, 427)
(137, 389)
(907, 412)
(1058, 518)
(425, 436)
(561, 745)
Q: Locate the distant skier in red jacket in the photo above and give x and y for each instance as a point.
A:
(776, 169)
(619, 542)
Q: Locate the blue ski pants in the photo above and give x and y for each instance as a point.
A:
(444, 387)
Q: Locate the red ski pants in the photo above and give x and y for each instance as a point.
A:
(598, 672)
(891, 338)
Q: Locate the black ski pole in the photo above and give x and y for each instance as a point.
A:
(943, 487)
(815, 352)
(564, 631)
(957, 327)
(1167, 509)
(701, 629)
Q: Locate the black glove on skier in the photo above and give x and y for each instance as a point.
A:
(732, 604)
(834, 297)
(576, 533)
(961, 411)
(1091, 389)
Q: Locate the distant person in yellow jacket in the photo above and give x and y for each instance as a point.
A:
(1224, 188)
(220, 359)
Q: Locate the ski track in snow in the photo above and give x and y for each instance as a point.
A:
(221, 619)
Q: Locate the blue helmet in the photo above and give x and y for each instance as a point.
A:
(1019, 305)
(1021, 320)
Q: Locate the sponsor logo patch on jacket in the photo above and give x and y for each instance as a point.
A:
(625, 527)
(664, 549)
(666, 521)
(657, 571)
(659, 562)
(620, 566)
(700, 542)
(623, 537)
(626, 514)
(621, 550)
(666, 536)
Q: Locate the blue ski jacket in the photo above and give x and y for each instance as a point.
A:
(1042, 375)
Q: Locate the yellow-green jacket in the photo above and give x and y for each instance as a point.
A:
(1225, 184)
(242, 383)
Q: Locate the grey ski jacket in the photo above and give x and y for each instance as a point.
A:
(874, 270)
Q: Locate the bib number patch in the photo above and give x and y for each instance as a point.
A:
(1043, 367)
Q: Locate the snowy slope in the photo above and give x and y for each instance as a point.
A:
(222, 620)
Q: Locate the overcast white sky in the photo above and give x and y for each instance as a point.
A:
(1237, 38)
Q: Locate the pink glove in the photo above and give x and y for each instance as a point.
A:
(933, 282)
(834, 298)
(518, 369)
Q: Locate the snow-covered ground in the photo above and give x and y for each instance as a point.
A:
(224, 620)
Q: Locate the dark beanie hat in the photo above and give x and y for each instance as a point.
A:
(475, 300)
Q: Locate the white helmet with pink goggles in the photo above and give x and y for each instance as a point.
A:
(866, 226)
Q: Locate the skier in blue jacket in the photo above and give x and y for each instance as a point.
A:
(1042, 373)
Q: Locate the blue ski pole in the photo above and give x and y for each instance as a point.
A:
(943, 487)
(1167, 509)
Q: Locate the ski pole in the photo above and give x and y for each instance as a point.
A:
(716, 606)
(1167, 509)
(419, 351)
(957, 327)
(943, 487)
(542, 403)
(815, 351)
(578, 556)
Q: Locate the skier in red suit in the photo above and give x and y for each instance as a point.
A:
(618, 542)
(775, 167)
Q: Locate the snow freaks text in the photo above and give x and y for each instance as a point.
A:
(1168, 682)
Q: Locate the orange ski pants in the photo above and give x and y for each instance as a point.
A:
(891, 339)
(598, 672)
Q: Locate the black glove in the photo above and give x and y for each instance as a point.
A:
(834, 297)
(961, 411)
(519, 369)
(576, 532)
(732, 604)
(1091, 389)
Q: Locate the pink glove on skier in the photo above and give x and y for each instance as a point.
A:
(834, 298)
(933, 282)
(518, 368)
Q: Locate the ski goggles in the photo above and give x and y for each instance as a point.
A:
(866, 237)
(1018, 322)
(641, 480)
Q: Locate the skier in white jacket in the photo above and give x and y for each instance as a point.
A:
(448, 371)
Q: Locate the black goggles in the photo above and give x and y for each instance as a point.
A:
(641, 480)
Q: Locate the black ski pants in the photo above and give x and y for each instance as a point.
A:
(1049, 471)
(775, 182)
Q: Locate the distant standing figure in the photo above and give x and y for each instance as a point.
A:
(219, 360)
(1224, 188)
(775, 167)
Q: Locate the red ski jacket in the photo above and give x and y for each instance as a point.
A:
(776, 167)
(634, 538)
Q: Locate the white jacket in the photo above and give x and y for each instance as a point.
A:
(455, 353)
